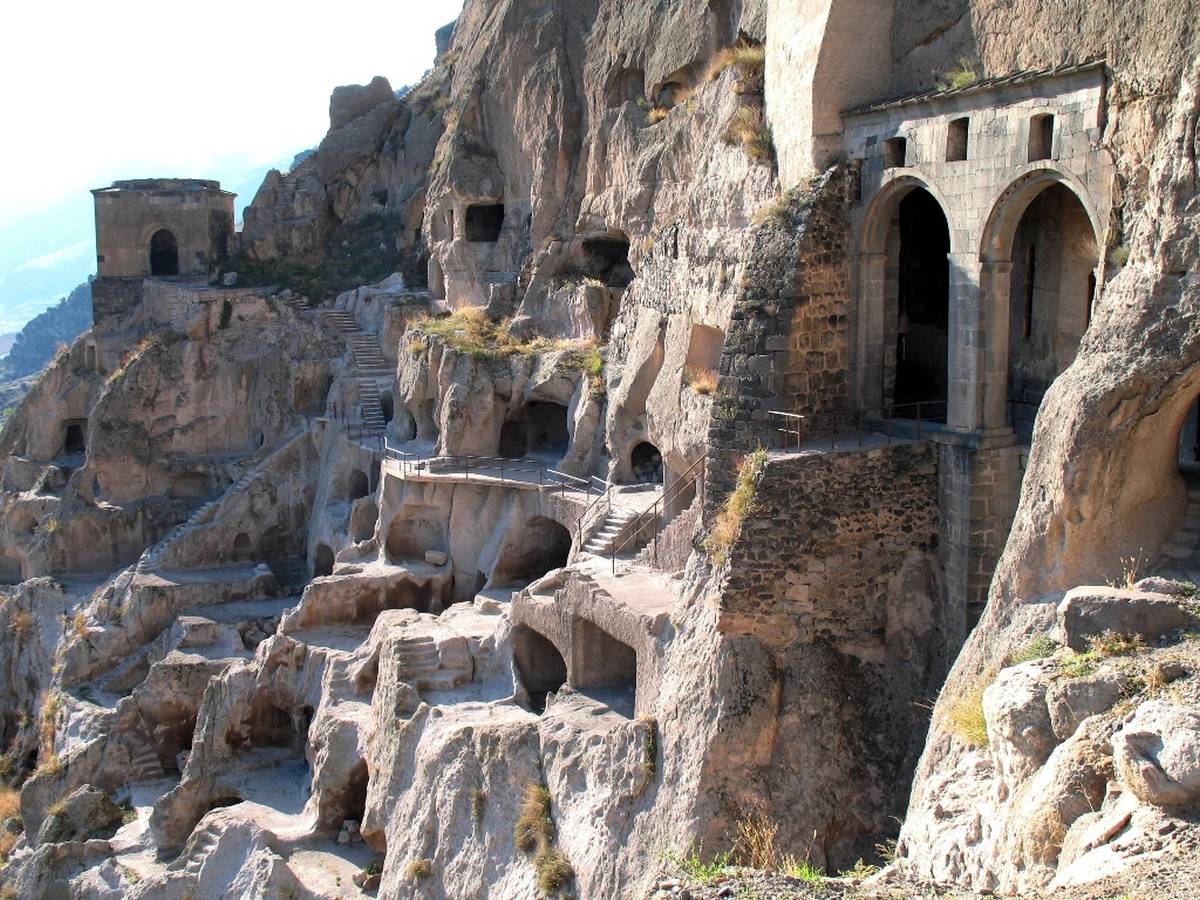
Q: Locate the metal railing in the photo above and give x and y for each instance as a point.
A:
(899, 421)
(496, 468)
(653, 515)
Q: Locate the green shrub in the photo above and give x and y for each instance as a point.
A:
(961, 76)
(740, 503)
(1040, 647)
(695, 867)
(800, 868)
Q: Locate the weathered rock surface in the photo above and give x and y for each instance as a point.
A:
(1087, 613)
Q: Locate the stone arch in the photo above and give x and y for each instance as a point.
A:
(999, 231)
(164, 253)
(1039, 265)
(540, 665)
(881, 330)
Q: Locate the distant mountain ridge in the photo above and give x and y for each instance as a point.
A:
(37, 342)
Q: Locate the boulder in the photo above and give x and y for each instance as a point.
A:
(1157, 753)
(1071, 701)
(1087, 612)
(350, 101)
(85, 812)
(1018, 721)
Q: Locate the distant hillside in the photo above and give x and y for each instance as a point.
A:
(41, 337)
(6, 342)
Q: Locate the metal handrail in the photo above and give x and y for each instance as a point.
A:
(546, 476)
(605, 497)
(855, 423)
(630, 532)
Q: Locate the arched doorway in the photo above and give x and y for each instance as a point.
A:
(540, 666)
(920, 241)
(1051, 289)
(164, 253)
(646, 462)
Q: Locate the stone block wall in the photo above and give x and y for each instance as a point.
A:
(823, 554)
(788, 341)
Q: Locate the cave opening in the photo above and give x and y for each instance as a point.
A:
(75, 437)
(646, 462)
(359, 485)
(540, 666)
(607, 259)
(537, 549)
(484, 223)
(322, 561)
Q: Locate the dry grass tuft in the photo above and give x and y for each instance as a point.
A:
(965, 716)
(702, 381)
(21, 623)
(962, 76)
(554, 870)
(749, 129)
(740, 503)
(658, 113)
(751, 58)
(534, 826)
(419, 869)
(755, 842)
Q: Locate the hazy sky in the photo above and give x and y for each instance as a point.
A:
(91, 91)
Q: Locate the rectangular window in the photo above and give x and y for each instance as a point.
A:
(895, 153)
(956, 140)
(1041, 137)
(1030, 274)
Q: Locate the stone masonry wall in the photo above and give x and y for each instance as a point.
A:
(788, 342)
(830, 538)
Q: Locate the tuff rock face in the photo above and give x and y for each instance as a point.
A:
(430, 588)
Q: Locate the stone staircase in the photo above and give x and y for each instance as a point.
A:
(195, 852)
(419, 660)
(144, 764)
(1180, 556)
(602, 541)
(371, 404)
(153, 555)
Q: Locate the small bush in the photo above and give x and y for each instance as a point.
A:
(860, 870)
(10, 803)
(793, 867)
(740, 503)
(418, 869)
(534, 827)
(1112, 644)
(21, 623)
(554, 871)
(749, 129)
(961, 76)
(1040, 647)
(702, 381)
(694, 866)
(79, 623)
(965, 716)
(49, 720)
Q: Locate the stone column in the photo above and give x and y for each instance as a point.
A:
(995, 283)
(872, 330)
(967, 340)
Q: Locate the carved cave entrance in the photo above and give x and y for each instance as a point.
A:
(322, 561)
(646, 461)
(75, 437)
(542, 546)
(607, 259)
(604, 666)
(164, 253)
(541, 427)
(920, 242)
(484, 223)
(540, 666)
